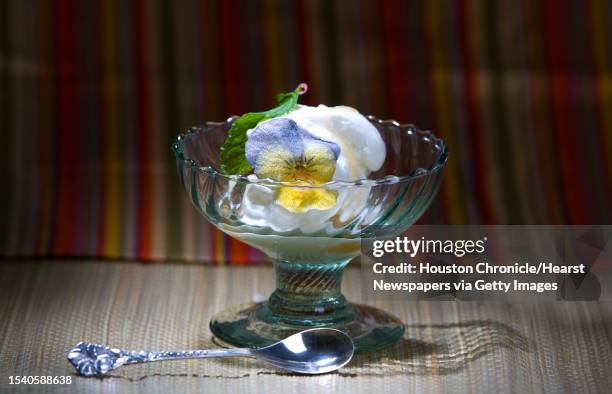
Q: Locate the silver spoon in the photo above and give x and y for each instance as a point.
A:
(314, 351)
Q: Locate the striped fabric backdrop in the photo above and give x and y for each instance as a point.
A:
(92, 94)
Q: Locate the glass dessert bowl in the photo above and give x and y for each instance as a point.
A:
(309, 258)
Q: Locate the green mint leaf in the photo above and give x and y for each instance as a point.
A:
(233, 158)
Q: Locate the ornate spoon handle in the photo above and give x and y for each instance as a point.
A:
(90, 359)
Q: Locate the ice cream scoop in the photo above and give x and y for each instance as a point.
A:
(313, 145)
(281, 150)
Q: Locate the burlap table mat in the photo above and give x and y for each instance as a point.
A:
(46, 308)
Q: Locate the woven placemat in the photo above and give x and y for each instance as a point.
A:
(47, 308)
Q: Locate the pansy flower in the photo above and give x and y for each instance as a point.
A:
(279, 149)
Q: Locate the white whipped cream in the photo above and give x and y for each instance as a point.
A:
(362, 151)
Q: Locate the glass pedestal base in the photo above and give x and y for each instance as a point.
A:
(255, 325)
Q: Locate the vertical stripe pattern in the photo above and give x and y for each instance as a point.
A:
(93, 93)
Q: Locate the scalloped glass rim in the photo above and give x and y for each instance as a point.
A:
(418, 173)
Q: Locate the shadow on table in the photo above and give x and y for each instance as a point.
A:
(434, 349)
(441, 348)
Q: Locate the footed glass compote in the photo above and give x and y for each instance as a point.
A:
(309, 259)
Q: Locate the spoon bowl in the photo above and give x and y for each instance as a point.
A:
(314, 351)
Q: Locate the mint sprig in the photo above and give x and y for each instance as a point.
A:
(233, 157)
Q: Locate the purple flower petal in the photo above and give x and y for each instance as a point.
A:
(286, 134)
(280, 131)
(307, 137)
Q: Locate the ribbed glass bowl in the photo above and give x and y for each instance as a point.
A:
(310, 254)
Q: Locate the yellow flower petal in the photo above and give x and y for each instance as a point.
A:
(318, 166)
(276, 162)
(298, 200)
